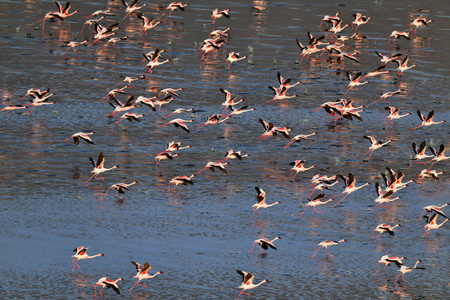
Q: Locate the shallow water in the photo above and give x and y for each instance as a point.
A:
(201, 234)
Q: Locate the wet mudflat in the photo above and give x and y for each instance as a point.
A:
(199, 235)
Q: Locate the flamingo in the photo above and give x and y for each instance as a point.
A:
(396, 183)
(130, 117)
(265, 244)
(171, 91)
(261, 201)
(330, 19)
(234, 155)
(142, 273)
(247, 282)
(314, 202)
(280, 94)
(120, 188)
(81, 136)
(112, 93)
(428, 121)
(383, 197)
(164, 155)
(80, 253)
(219, 33)
(337, 27)
(298, 167)
(99, 167)
(216, 14)
(104, 32)
(215, 165)
(13, 107)
(183, 179)
(425, 173)
(384, 228)
(286, 82)
(39, 99)
(419, 22)
(419, 153)
(299, 138)
(403, 65)
(389, 94)
(385, 59)
(120, 107)
(61, 14)
(90, 22)
(360, 20)
(432, 224)
(179, 111)
(350, 186)
(100, 12)
(129, 80)
(387, 260)
(375, 144)
(321, 186)
(131, 8)
(438, 155)
(326, 244)
(179, 123)
(32, 92)
(394, 114)
(397, 34)
(106, 282)
(153, 60)
(175, 146)
(147, 24)
(73, 44)
(378, 71)
(174, 6)
(354, 81)
(160, 102)
(435, 209)
(114, 40)
(234, 57)
(237, 111)
(404, 269)
(213, 119)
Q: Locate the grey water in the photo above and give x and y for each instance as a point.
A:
(201, 234)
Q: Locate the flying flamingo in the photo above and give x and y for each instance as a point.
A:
(428, 121)
(112, 93)
(299, 138)
(142, 273)
(100, 12)
(183, 179)
(164, 155)
(326, 244)
(247, 282)
(131, 8)
(120, 107)
(120, 188)
(280, 94)
(13, 107)
(234, 155)
(129, 80)
(385, 59)
(32, 92)
(175, 146)
(104, 32)
(265, 244)
(360, 20)
(383, 197)
(354, 81)
(38, 101)
(432, 224)
(403, 65)
(350, 186)
(61, 14)
(397, 34)
(81, 136)
(234, 57)
(330, 19)
(378, 71)
(261, 201)
(179, 123)
(298, 167)
(216, 14)
(384, 228)
(404, 269)
(375, 144)
(90, 22)
(419, 153)
(215, 165)
(425, 173)
(147, 24)
(438, 155)
(98, 167)
(175, 6)
(80, 253)
(419, 22)
(394, 114)
(314, 202)
(130, 117)
(213, 119)
(179, 111)
(387, 260)
(435, 209)
(73, 44)
(106, 282)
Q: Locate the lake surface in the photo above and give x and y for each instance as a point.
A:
(199, 235)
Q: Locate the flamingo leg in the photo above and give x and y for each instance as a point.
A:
(107, 191)
(118, 195)
(75, 263)
(253, 247)
(261, 249)
(316, 251)
(397, 278)
(341, 199)
(317, 212)
(421, 215)
(375, 206)
(379, 236)
(373, 234)
(89, 179)
(303, 211)
(254, 213)
(414, 128)
(328, 253)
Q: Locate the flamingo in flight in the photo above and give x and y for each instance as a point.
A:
(428, 121)
(99, 167)
(387, 260)
(434, 208)
(404, 269)
(360, 20)
(383, 197)
(178, 123)
(108, 283)
(234, 155)
(419, 153)
(80, 253)
(384, 228)
(142, 273)
(438, 155)
(425, 173)
(385, 59)
(120, 188)
(394, 114)
(164, 155)
(61, 14)
(261, 201)
(265, 244)
(375, 144)
(403, 65)
(397, 34)
(90, 22)
(350, 186)
(175, 6)
(299, 138)
(215, 165)
(147, 24)
(330, 19)
(247, 282)
(131, 8)
(216, 14)
(354, 81)
(104, 32)
(233, 57)
(419, 22)
(81, 136)
(182, 179)
(326, 244)
(316, 201)
(298, 167)
(73, 44)
(432, 224)
(130, 117)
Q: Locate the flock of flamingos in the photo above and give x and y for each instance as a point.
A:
(334, 46)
